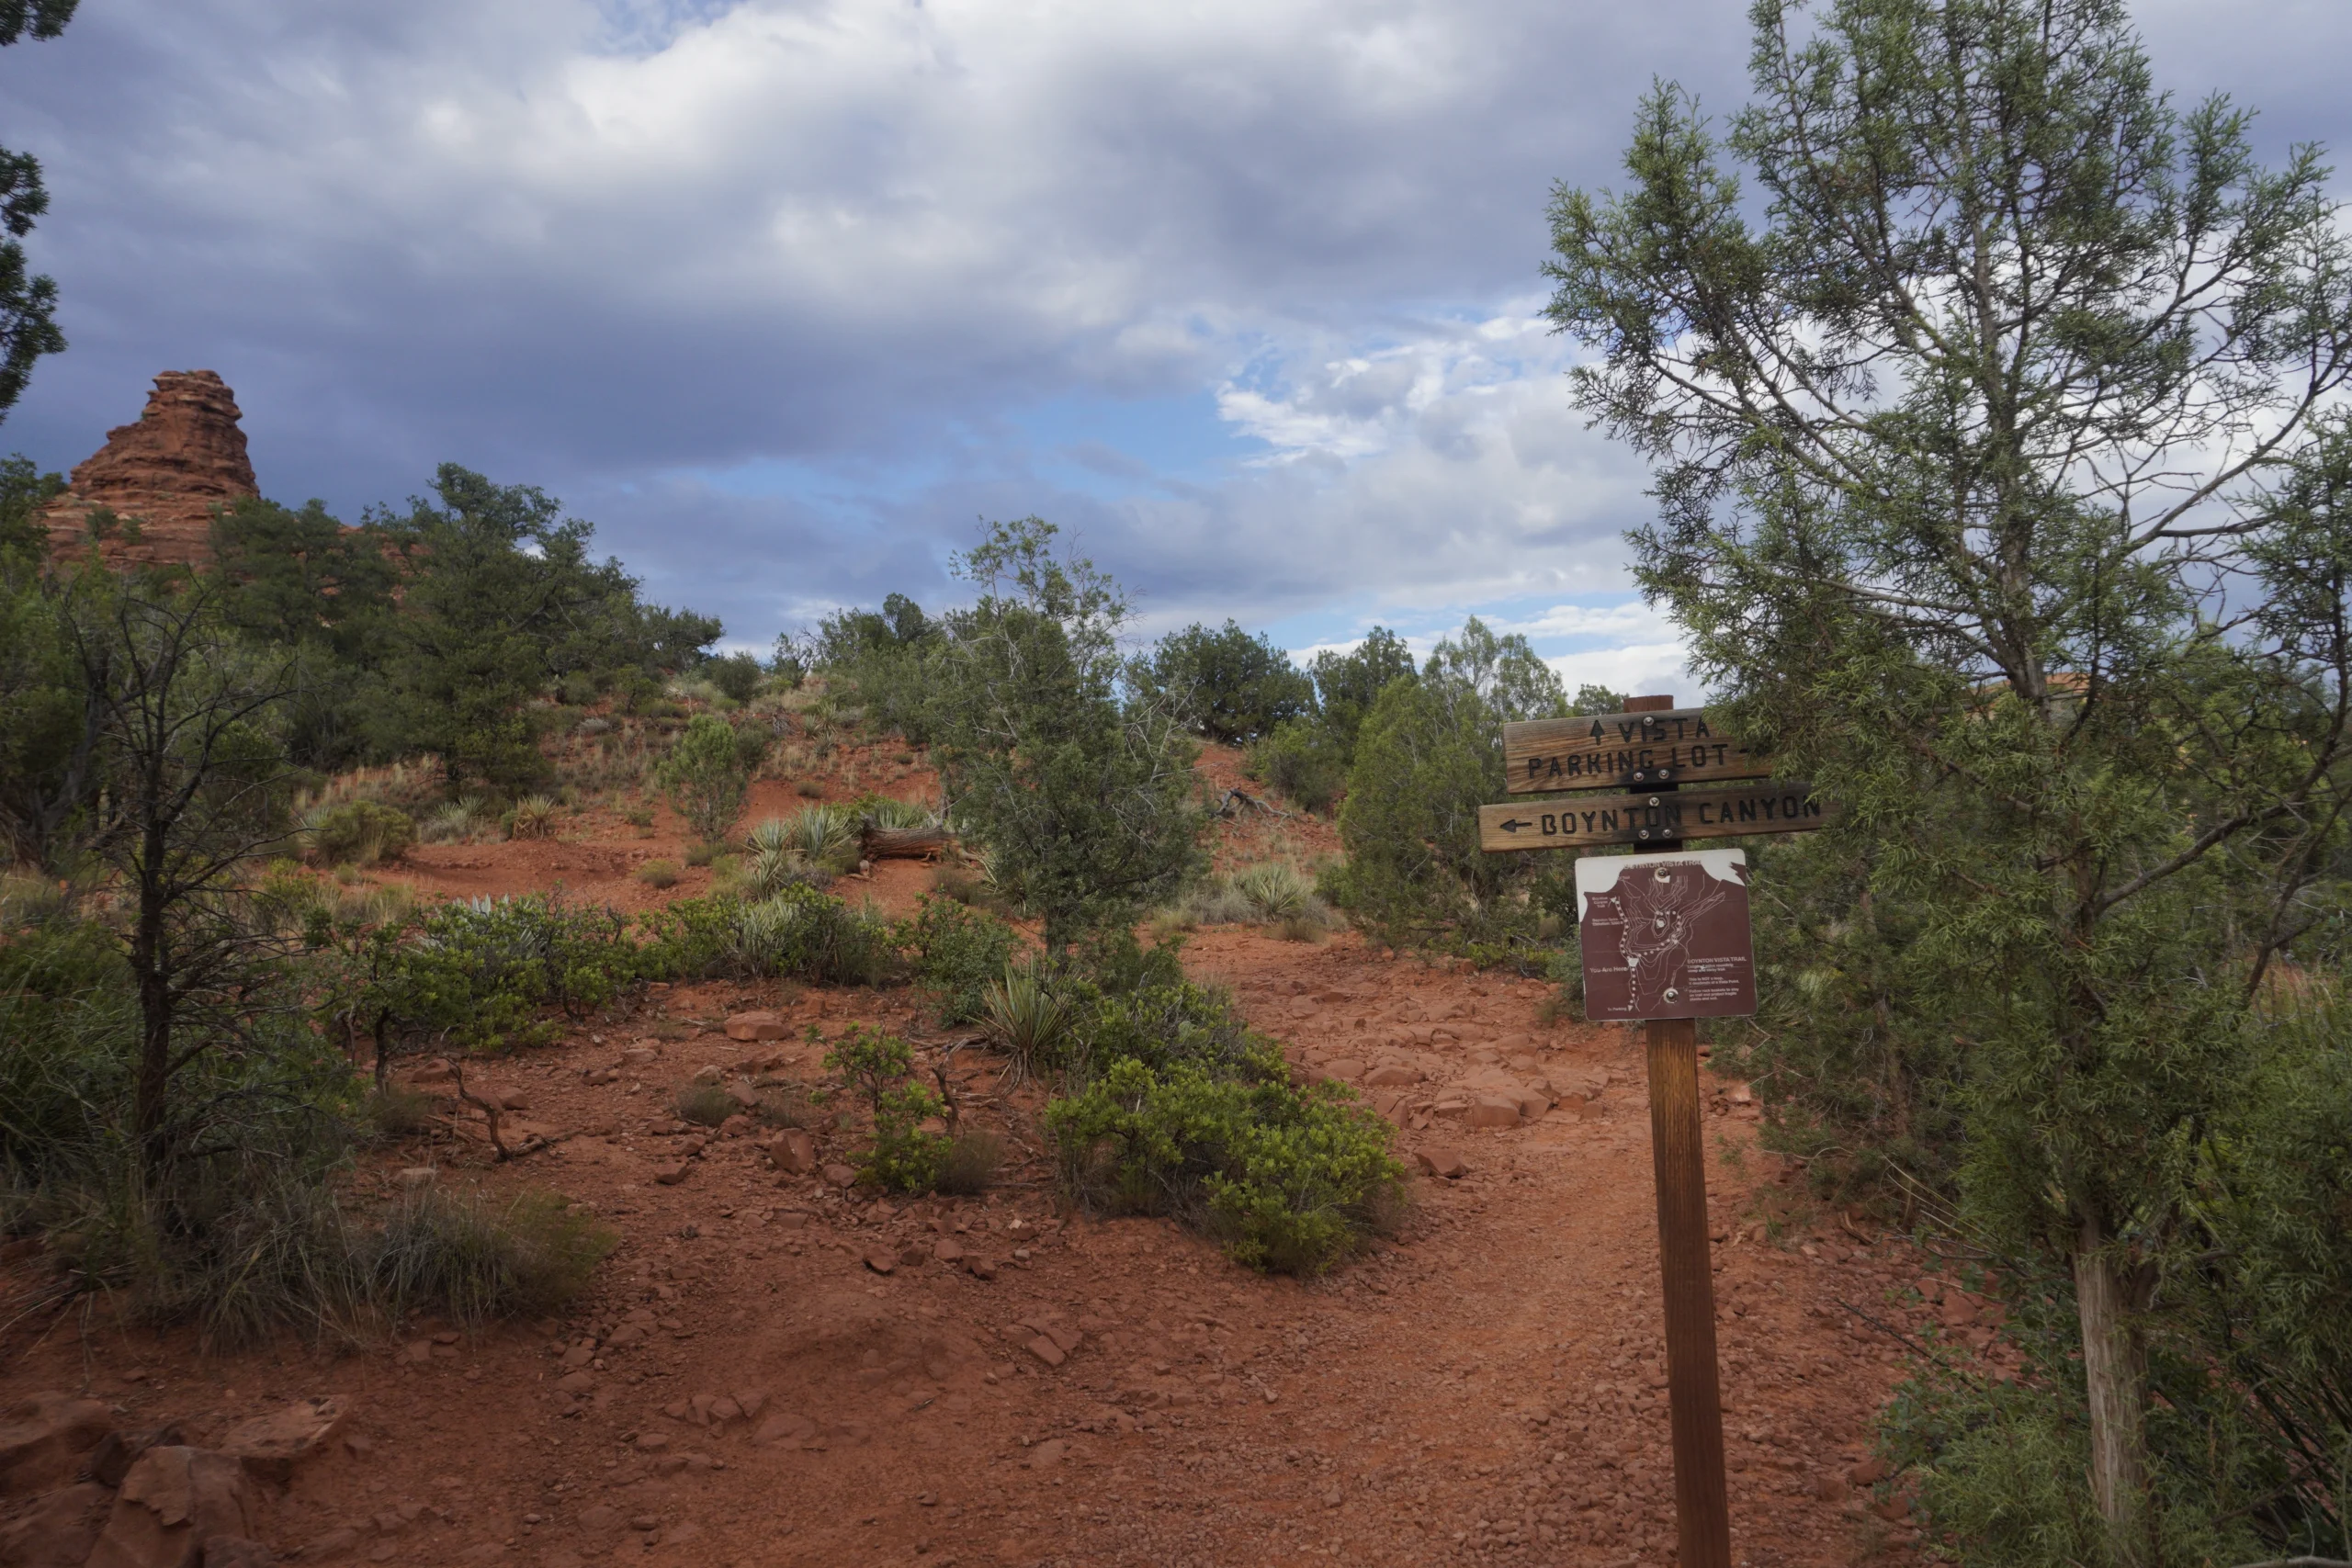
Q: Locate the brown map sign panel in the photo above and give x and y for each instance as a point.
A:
(1623, 750)
(1787, 807)
(1665, 936)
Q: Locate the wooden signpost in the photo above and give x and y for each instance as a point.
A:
(1665, 940)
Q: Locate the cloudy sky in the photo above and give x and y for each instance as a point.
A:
(786, 294)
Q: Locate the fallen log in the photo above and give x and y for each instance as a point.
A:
(903, 843)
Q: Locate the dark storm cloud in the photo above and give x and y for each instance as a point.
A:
(765, 288)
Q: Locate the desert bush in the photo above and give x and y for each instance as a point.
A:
(1303, 762)
(485, 969)
(1081, 792)
(396, 1111)
(905, 1155)
(970, 1166)
(659, 874)
(707, 773)
(1291, 1181)
(1274, 891)
(534, 818)
(454, 821)
(736, 675)
(358, 832)
(806, 935)
(470, 1258)
(786, 1102)
(957, 953)
(1229, 685)
(704, 1104)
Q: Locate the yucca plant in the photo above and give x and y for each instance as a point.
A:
(771, 870)
(772, 836)
(534, 817)
(883, 811)
(1026, 1019)
(454, 821)
(820, 839)
(1275, 892)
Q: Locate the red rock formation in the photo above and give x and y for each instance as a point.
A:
(184, 458)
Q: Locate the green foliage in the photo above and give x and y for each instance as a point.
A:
(470, 1259)
(904, 1155)
(803, 934)
(1228, 684)
(707, 773)
(49, 768)
(1303, 762)
(737, 676)
(1023, 1012)
(1347, 685)
(24, 492)
(1429, 756)
(1084, 800)
(28, 302)
(957, 953)
(500, 601)
(359, 832)
(881, 664)
(483, 971)
(1291, 1181)
(2090, 725)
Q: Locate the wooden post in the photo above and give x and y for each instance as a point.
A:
(1694, 1396)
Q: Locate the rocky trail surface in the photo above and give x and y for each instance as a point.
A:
(776, 1369)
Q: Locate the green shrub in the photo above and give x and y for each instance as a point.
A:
(1291, 1181)
(1229, 685)
(484, 969)
(361, 832)
(957, 953)
(1303, 762)
(737, 676)
(905, 1157)
(456, 821)
(707, 773)
(659, 874)
(803, 934)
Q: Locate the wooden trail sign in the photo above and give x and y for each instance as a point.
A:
(1662, 952)
(1623, 750)
(1659, 816)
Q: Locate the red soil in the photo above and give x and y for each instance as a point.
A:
(1486, 1387)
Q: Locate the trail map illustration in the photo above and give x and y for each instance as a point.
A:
(1666, 936)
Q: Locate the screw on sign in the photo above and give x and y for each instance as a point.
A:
(1665, 940)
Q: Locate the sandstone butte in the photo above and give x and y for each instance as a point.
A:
(170, 471)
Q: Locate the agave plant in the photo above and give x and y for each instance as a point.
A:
(1022, 1015)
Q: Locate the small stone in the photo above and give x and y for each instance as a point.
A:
(418, 1350)
(1396, 1075)
(979, 1268)
(1869, 1472)
(1347, 1069)
(1064, 1336)
(417, 1176)
(577, 1383)
(709, 1075)
(1048, 1454)
(755, 1026)
(838, 1175)
(335, 1543)
(914, 1252)
(669, 1175)
(947, 1249)
(735, 1126)
(645, 1521)
(599, 1516)
(1045, 1350)
(880, 1261)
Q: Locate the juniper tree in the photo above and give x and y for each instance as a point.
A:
(1997, 494)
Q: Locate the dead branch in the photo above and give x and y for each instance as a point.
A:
(1247, 802)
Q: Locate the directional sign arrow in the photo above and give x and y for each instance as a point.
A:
(1514, 824)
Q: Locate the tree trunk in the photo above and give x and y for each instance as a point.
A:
(904, 843)
(151, 967)
(2115, 1366)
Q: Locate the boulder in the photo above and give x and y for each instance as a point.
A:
(58, 1530)
(118, 1452)
(755, 1026)
(272, 1445)
(43, 1438)
(1493, 1110)
(1393, 1075)
(173, 1500)
(792, 1151)
(1438, 1160)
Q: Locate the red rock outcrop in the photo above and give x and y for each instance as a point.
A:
(167, 473)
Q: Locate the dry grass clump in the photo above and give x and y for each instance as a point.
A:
(534, 818)
(705, 1104)
(659, 874)
(970, 1164)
